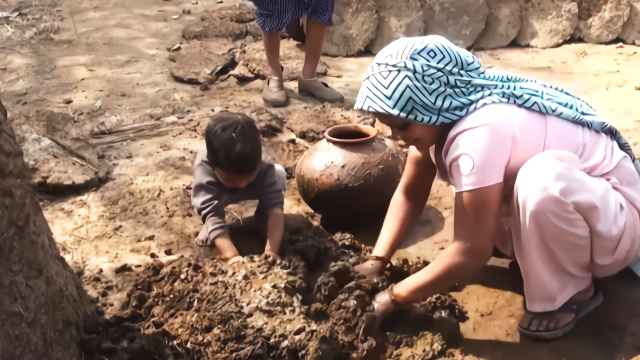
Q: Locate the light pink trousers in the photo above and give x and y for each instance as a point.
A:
(568, 227)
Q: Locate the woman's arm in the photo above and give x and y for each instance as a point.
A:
(407, 203)
(475, 226)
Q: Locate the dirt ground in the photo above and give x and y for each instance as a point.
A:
(110, 58)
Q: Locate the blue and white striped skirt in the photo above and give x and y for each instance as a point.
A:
(274, 15)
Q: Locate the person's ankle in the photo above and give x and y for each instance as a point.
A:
(584, 294)
(308, 75)
(275, 83)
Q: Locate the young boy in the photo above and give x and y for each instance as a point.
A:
(230, 170)
(273, 16)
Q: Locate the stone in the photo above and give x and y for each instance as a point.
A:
(630, 32)
(460, 21)
(355, 23)
(503, 25)
(601, 21)
(547, 23)
(396, 19)
(200, 62)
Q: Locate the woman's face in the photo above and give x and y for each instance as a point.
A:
(412, 133)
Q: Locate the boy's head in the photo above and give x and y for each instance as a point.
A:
(234, 148)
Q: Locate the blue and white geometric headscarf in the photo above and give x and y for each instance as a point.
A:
(431, 81)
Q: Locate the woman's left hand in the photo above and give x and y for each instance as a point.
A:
(383, 305)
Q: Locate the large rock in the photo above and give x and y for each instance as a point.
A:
(355, 23)
(460, 21)
(547, 23)
(398, 18)
(630, 33)
(503, 24)
(601, 21)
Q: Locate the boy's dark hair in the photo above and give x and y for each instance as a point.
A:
(233, 143)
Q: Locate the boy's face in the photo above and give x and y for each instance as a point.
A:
(235, 181)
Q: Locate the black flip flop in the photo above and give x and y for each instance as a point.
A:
(578, 308)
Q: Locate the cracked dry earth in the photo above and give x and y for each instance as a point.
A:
(121, 215)
(311, 305)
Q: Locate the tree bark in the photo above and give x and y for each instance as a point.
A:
(42, 302)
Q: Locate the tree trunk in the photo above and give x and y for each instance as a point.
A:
(42, 302)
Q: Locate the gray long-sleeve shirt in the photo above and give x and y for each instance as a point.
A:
(210, 197)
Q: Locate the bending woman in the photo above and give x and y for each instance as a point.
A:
(536, 174)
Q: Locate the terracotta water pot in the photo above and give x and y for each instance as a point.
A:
(350, 176)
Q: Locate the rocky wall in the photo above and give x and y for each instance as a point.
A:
(482, 24)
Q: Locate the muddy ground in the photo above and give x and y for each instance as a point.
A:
(82, 63)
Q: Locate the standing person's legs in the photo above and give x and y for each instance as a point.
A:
(273, 17)
(272, 50)
(567, 229)
(313, 48)
(318, 18)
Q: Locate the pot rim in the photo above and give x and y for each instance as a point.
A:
(365, 129)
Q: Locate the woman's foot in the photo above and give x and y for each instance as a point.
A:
(273, 93)
(554, 324)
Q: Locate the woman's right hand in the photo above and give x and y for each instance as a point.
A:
(371, 268)
(405, 208)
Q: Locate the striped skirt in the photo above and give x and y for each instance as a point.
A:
(274, 15)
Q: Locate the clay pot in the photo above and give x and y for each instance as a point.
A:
(350, 176)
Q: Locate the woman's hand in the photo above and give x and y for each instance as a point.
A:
(477, 217)
(272, 254)
(405, 208)
(371, 268)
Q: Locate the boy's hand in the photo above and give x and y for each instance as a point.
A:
(272, 254)
(235, 259)
(275, 229)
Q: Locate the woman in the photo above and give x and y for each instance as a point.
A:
(536, 174)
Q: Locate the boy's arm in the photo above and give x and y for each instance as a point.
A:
(272, 199)
(226, 248)
(209, 204)
(275, 229)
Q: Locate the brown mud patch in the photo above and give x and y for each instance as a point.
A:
(311, 305)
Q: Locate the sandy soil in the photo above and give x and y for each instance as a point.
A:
(113, 54)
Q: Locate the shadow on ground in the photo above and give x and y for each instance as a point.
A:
(611, 331)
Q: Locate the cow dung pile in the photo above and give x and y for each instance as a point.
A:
(310, 305)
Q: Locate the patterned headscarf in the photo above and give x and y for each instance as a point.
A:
(431, 81)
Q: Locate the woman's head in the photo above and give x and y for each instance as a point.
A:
(412, 133)
(431, 82)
